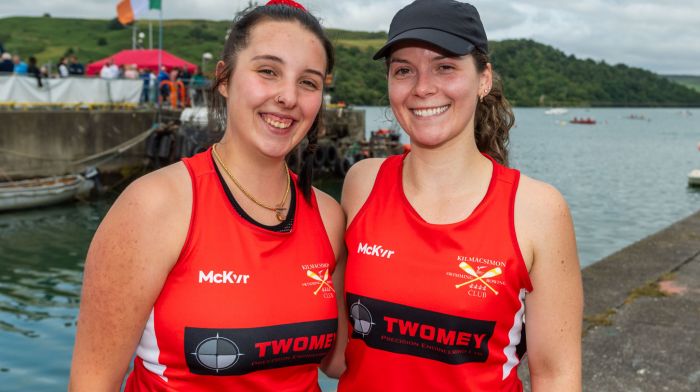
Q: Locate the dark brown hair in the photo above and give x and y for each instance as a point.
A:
(238, 40)
(494, 116)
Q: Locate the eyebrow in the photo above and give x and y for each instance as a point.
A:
(279, 60)
(436, 58)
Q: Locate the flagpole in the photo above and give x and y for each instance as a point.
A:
(160, 53)
(150, 33)
(160, 38)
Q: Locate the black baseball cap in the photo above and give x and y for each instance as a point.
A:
(448, 24)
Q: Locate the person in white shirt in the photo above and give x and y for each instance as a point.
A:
(109, 70)
(63, 68)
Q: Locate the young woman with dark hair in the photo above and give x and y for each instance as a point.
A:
(217, 271)
(449, 249)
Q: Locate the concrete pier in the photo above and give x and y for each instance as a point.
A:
(45, 142)
(642, 315)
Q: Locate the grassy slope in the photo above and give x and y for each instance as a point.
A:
(686, 80)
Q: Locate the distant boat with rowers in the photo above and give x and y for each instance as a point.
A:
(584, 121)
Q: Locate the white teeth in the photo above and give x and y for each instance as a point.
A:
(278, 124)
(430, 112)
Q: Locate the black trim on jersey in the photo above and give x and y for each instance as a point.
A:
(418, 332)
(282, 227)
(239, 351)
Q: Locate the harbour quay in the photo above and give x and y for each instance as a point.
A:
(47, 142)
(642, 315)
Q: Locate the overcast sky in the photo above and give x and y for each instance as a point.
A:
(659, 35)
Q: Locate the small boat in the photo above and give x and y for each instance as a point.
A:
(694, 178)
(556, 111)
(585, 121)
(40, 192)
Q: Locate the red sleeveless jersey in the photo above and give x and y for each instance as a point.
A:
(434, 307)
(244, 308)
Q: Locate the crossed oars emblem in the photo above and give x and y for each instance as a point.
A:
(324, 280)
(488, 274)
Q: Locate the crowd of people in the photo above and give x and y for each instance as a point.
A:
(176, 87)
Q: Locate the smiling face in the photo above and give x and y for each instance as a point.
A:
(275, 90)
(434, 95)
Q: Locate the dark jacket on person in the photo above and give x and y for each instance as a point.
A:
(76, 69)
(33, 70)
(7, 66)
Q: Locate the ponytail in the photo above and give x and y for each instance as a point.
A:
(494, 117)
(306, 173)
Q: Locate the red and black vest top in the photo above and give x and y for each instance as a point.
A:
(434, 307)
(244, 307)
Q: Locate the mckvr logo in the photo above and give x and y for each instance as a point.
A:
(374, 250)
(223, 278)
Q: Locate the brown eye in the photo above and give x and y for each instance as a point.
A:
(266, 72)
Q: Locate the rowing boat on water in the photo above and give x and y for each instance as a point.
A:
(15, 195)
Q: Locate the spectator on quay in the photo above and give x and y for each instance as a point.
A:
(145, 76)
(6, 64)
(185, 76)
(109, 70)
(20, 66)
(75, 68)
(164, 88)
(33, 70)
(62, 68)
(163, 75)
(197, 85)
(130, 71)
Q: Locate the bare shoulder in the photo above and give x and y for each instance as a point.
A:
(159, 202)
(164, 191)
(333, 219)
(538, 197)
(541, 215)
(358, 185)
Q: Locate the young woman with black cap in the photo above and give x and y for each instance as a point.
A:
(217, 270)
(449, 250)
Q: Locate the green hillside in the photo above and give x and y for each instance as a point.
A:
(534, 74)
(686, 80)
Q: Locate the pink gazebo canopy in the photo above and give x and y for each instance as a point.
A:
(143, 58)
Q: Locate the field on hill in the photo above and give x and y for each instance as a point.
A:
(686, 80)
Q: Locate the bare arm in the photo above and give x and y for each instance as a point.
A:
(554, 308)
(333, 365)
(129, 258)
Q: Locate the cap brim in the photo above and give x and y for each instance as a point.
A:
(446, 41)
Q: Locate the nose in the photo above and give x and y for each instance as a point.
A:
(425, 85)
(287, 96)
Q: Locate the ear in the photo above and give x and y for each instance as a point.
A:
(223, 87)
(486, 79)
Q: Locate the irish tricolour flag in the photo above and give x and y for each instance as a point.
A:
(129, 10)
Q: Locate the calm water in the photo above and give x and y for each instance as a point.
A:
(624, 179)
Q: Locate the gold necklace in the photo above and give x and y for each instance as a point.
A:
(279, 210)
